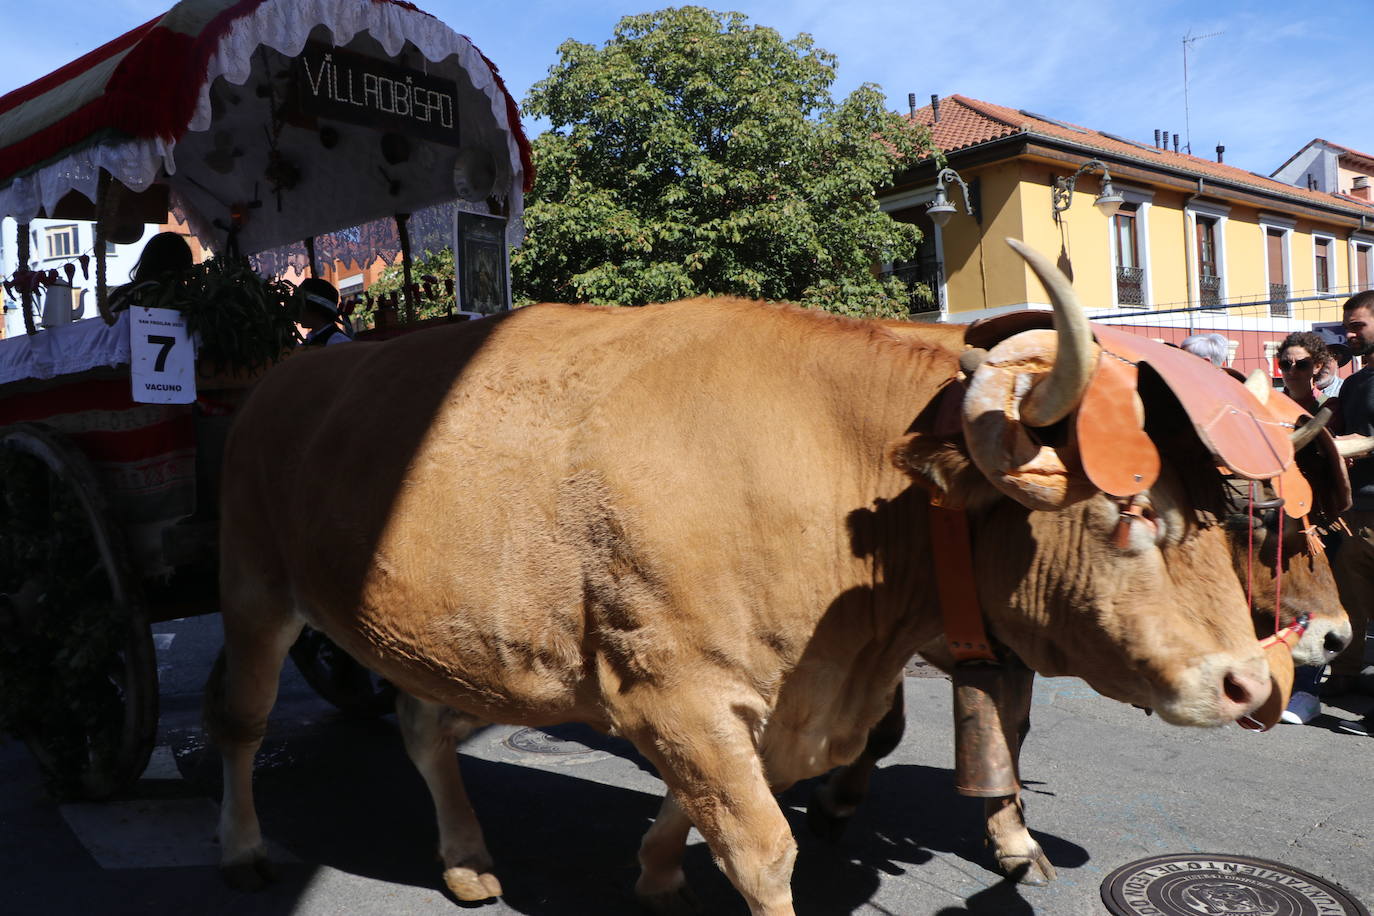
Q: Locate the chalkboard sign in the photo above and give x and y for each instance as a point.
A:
(333, 83)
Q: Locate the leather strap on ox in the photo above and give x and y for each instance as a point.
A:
(990, 698)
(952, 552)
(1227, 418)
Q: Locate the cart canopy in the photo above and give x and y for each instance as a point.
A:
(282, 119)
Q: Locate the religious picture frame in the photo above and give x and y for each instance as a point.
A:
(481, 267)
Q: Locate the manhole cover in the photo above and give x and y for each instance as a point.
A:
(546, 742)
(1203, 884)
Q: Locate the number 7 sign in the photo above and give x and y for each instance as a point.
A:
(162, 362)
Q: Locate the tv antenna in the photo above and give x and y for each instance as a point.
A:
(1187, 119)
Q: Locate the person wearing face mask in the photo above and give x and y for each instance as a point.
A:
(1327, 380)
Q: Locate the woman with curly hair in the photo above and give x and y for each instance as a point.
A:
(1301, 356)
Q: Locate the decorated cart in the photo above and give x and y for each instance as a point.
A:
(270, 128)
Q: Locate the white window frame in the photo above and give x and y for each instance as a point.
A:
(1356, 240)
(51, 232)
(1222, 215)
(909, 200)
(1142, 199)
(1330, 263)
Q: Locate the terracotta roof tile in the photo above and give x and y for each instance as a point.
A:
(966, 122)
(1347, 151)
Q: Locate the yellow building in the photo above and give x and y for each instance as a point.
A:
(1180, 244)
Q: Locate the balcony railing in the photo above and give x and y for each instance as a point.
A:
(1209, 291)
(1278, 300)
(926, 271)
(1130, 286)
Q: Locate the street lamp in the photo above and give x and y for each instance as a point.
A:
(940, 209)
(1108, 200)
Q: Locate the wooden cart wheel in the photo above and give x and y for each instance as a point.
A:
(78, 675)
(339, 679)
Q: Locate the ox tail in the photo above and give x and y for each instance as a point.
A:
(223, 728)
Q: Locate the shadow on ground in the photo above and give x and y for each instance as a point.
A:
(345, 796)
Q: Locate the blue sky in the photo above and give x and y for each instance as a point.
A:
(1278, 75)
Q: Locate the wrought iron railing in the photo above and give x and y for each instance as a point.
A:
(1130, 286)
(1278, 300)
(1209, 291)
(923, 271)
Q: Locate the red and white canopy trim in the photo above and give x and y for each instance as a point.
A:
(146, 107)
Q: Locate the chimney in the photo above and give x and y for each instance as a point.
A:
(1156, 138)
(1165, 134)
(1221, 153)
(1175, 142)
(935, 107)
(911, 102)
(1360, 187)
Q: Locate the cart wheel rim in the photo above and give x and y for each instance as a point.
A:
(90, 759)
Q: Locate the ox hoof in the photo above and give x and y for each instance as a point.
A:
(1033, 870)
(676, 902)
(824, 823)
(470, 885)
(825, 819)
(251, 875)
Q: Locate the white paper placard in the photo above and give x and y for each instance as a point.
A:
(162, 360)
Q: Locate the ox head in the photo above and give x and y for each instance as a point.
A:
(1275, 528)
(1117, 570)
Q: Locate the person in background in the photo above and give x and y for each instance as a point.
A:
(1328, 381)
(319, 314)
(167, 255)
(1353, 564)
(166, 252)
(1211, 347)
(1301, 356)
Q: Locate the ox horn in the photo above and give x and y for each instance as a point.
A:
(1058, 393)
(1308, 431)
(1259, 385)
(1355, 446)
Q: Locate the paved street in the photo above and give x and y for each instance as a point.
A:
(563, 812)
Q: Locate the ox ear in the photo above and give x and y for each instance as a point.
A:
(1258, 384)
(938, 466)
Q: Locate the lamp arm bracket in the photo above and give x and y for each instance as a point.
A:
(1061, 193)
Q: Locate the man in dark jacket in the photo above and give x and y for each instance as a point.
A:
(1354, 561)
(319, 311)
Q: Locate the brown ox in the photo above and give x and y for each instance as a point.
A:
(1253, 521)
(676, 523)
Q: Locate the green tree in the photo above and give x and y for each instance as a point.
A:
(695, 153)
(428, 272)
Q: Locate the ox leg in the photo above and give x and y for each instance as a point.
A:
(1018, 855)
(715, 774)
(662, 888)
(238, 698)
(431, 732)
(835, 801)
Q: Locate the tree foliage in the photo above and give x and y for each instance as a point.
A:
(695, 153)
(429, 273)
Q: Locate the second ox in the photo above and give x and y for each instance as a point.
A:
(1276, 553)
